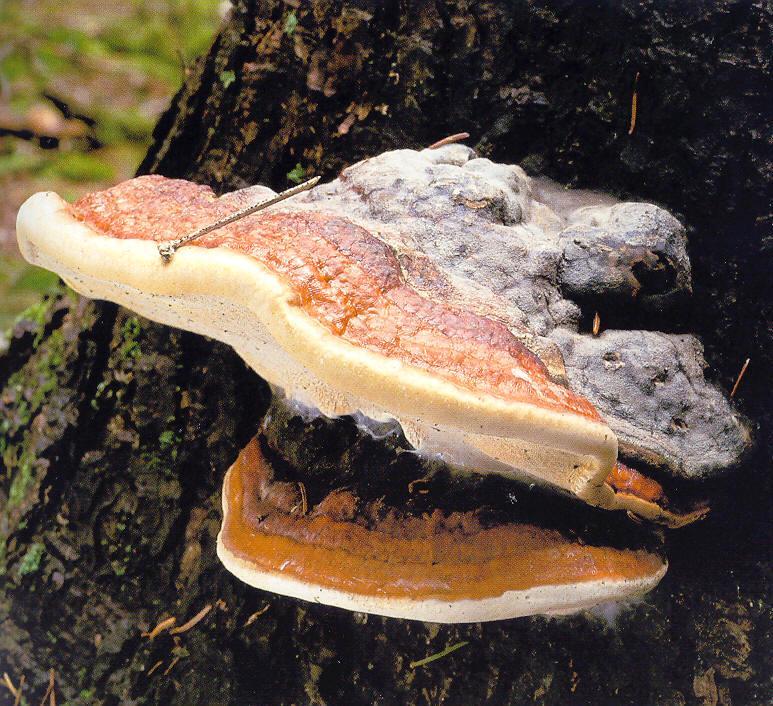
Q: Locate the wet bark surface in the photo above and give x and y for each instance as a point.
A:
(115, 432)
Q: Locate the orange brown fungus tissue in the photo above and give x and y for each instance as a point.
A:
(342, 276)
(358, 549)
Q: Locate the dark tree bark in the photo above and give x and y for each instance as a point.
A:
(115, 432)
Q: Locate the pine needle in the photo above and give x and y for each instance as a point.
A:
(171, 666)
(163, 625)
(458, 137)
(9, 684)
(19, 689)
(193, 621)
(634, 104)
(50, 694)
(439, 655)
(256, 615)
(739, 378)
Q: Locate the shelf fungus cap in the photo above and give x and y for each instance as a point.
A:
(339, 317)
(435, 567)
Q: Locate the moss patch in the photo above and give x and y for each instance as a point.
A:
(30, 562)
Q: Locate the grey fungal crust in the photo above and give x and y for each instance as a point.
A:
(528, 252)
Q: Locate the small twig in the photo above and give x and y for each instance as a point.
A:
(458, 137)
(168, 248)
(415, 481)
(596, 324)
(9, 684)
(438, 655)
(634, 104)
(193, 621)
(49, 695)
(739, 378)
(171, 665)
(155, 667)
(19, 690)
(163, 625)
(256, 615)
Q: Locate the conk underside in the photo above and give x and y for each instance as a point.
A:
(439, 566)
(324, 307)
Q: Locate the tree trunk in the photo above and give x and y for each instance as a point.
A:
(116, 432)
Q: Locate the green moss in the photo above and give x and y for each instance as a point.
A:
(30, 562)
(22, 481)
(98, 393)
(227, 78)
(35, 312)
(130, 332)
(47, 368)
(291, 22)
(80, 167)
(296, 174)
(168, 439)
(38, 313)
(20, 163)
(39, 378)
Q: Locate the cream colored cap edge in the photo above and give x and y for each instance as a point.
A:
(50, 236)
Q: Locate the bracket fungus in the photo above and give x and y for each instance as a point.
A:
(442, 292)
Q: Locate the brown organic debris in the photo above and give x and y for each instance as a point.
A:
(9, 684)
(163, 625)
(438, 655)
(16, 691)
(195, 620)
(740, 377)
(634, 104)
(415, 482)
(304, 499)
(256, 615)
(457, 137)
(50, 694)
(171, 666)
